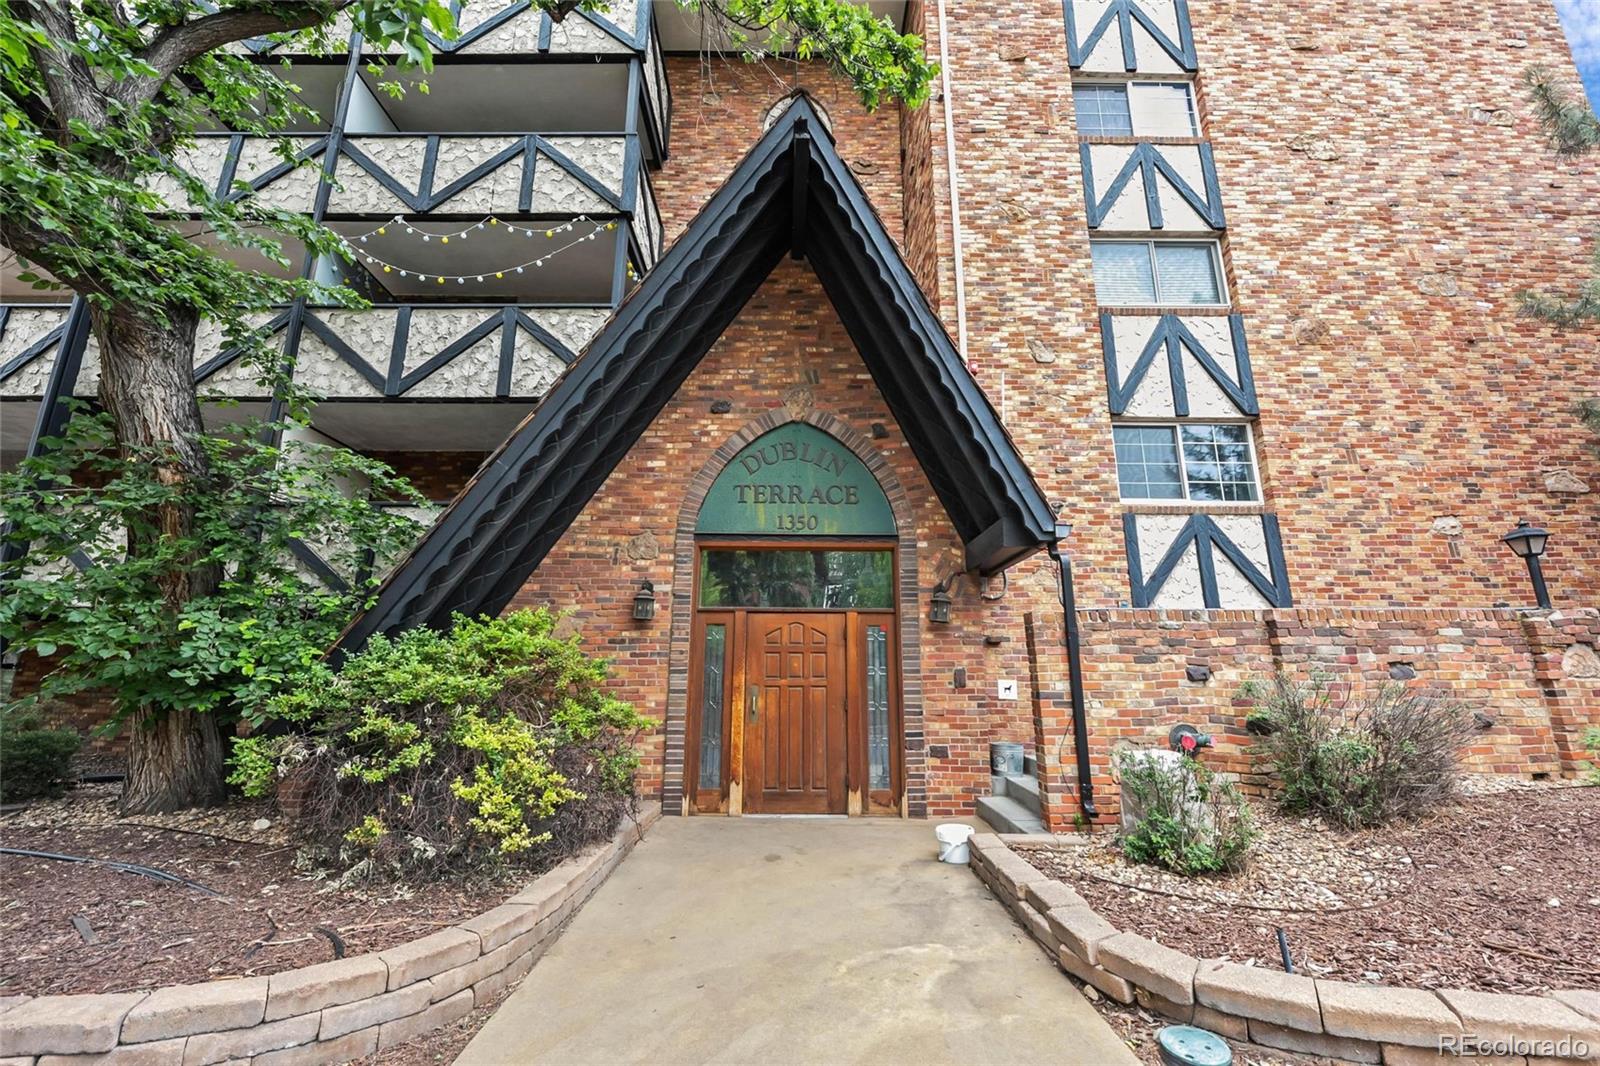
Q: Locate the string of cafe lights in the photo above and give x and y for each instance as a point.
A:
(496, 273)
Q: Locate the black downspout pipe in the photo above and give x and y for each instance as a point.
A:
(1080, 718)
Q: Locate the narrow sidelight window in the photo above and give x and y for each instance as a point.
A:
(1173, 273)
(711, 704)
(877, 707)
(1199, 462)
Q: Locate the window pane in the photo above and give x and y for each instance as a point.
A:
(838, 579)
(1102, 110)
(1216, 460)
(711, 697)
(877, 707)
(1147, 463)
(1122, 273)
(1163, 109)
(1188, 274)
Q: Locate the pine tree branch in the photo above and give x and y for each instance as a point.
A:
(1571, 126)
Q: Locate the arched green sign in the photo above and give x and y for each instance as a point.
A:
(796, 481)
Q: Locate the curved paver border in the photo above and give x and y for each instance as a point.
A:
(330, 1012)
(1289, 1012)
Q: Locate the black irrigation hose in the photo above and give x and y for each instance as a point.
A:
(122, 867)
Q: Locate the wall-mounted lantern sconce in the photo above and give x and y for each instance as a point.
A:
(939, 604)
(1528, 542)
(644, 602)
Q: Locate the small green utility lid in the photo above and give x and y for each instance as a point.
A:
(1185, 1045)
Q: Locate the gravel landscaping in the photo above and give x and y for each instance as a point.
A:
(1495, 892)
(83, 927)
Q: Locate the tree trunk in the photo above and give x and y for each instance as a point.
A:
(147, 385)
(175, 761)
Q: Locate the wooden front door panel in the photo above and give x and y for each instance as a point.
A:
(794, 733)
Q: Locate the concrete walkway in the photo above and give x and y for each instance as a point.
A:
(724, 940)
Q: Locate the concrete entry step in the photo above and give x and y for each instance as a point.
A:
(1006, 815)
(1024, 788)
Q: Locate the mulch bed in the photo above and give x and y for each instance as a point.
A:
(1495, 892)
(142, 933)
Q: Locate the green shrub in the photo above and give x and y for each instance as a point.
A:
(34, 762)
(1185, 818)
(1360, 761)
(495, 742)
(1591, 744)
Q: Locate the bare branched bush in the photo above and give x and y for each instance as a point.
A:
(1359, 761)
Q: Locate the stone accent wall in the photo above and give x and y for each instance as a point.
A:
(332, 1012)
(1533, 680)
(1280, 1011)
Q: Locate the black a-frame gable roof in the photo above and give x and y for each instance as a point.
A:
(791, 193)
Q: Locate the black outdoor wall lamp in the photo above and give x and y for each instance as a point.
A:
(1528, 542)
(939, 604)
(644, 601)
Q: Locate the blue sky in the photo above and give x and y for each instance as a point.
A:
(1581, 18)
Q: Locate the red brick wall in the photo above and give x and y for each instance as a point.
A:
(437, 475)
(788, 347)
(916, 180)
(1517, 671)
(1385, 406)
(717, 111)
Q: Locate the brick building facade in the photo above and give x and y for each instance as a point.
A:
(1238, 285)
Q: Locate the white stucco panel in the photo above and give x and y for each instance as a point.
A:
(1177, 215)
(1182, 589)
(599, 157)
(557, 191)
(24, 328)
(533, 368)
(575, 328)
(433, 329)
(320, 369)
(1248, 534)
(294, 191)
(577, 34)
(1107, 57)
(470, 374)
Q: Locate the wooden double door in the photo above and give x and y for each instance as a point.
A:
(808, 709)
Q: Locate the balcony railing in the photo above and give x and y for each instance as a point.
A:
(394, 351)
(462, 175)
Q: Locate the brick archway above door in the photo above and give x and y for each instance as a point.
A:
(908, 593)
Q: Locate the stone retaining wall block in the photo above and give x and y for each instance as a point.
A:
(1109, 983)
(1333, 1047)
(432, 954)
(66, 1025)
(1045, 896)
(1390, 1015)
(453, 1009)
(327, 984)
(1256, 992)
(149, 1053)
(337, 1021)
(1081, 930)
(1182, 1013)
(1153, 966)
(1228, 1025)
(346, 1048)
(501, 925)
(1493, 1016)
(206, 1048)
(200, 1008)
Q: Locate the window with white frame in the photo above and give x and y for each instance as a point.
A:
(1135, 109)
(1202, 462)
(1176, 273)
